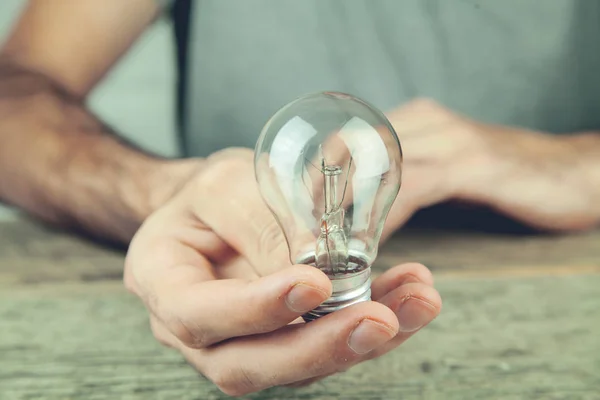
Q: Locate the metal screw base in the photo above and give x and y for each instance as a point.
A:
(347, 290)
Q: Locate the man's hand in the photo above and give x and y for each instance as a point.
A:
(548, 182)
(212, 267)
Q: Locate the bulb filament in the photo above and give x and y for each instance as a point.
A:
(332, 246)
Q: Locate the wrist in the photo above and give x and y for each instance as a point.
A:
(162, 179)
(533, 177)
(505, 160)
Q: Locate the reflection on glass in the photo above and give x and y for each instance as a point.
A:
(329, 167)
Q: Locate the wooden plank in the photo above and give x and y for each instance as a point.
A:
(471, 251)
(31, 253)
(69, 331)
(495, 339)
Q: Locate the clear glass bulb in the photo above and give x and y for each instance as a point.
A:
(329, 167)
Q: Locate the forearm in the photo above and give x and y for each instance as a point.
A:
(63, 165)
(550, 182)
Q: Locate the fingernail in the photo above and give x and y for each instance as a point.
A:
(368, 336)
(413, 314)
(303, 298)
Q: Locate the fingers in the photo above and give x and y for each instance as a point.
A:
(415, 305)
(298, 352)
(324, 347)
(432, 133)
(205, 313)
(308, 382)
(417, 117)
(407, 290)
(422, 186)
(399, 214)
(401, 288)
(179, 287)
(399, 275)
(162, 334)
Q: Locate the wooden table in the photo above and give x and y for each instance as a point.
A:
(521, 320)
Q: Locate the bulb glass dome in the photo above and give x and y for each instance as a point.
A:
(329, 167)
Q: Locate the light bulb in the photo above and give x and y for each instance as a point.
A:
(329, 167)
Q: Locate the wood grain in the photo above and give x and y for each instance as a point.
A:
(495, 339)
(520, 321)
(32, 254)
(494, 254)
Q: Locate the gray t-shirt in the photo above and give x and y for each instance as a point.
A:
(530, 63)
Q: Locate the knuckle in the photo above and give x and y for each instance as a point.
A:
(225, 168)
(162, 255)
(426, 104)
(193, 337)
(232, 152)
(222, 170)
(271, 245)
(235, 382)
(159, 333)
(418, 271)
(230, 165)
(129, 283)
(129, 279)
(161, 339)
(270, 238)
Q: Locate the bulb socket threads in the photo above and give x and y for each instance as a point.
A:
(350, 287)
(347, 290)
